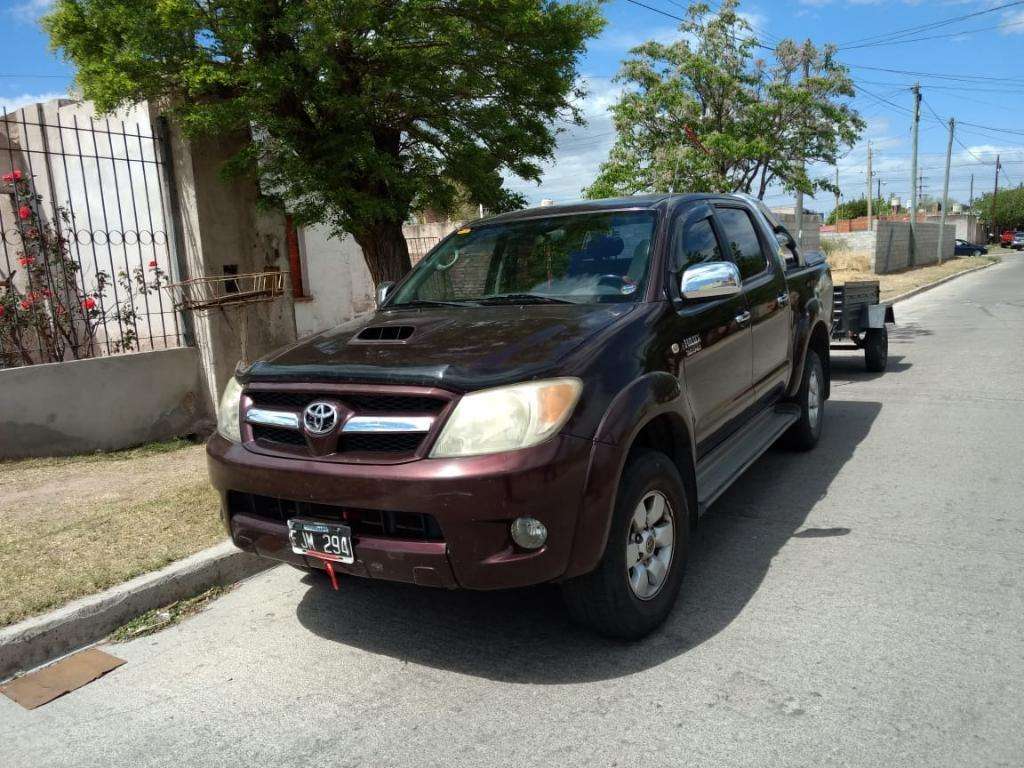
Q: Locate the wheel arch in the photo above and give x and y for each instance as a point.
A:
(651, 412)
(811, 333)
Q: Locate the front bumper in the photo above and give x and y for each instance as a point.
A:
(473, 499)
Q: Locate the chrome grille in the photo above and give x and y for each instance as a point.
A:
(387, 425)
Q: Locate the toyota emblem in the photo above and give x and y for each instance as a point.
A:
(320, 418)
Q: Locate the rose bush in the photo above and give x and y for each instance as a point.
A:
(48, 314)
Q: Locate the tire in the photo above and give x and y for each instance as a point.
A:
(876, 349)
(627, 603)
(804, 434)
(976, 253)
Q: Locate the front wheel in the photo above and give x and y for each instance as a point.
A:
(634, 587)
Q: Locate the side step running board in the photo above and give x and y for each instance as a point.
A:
(717, 471)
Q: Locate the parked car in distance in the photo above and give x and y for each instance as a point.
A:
(1006, 238)
(964, 248)
(1018, 240)
(550, 395)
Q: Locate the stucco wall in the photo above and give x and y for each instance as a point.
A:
(335, 279)
(100, 404)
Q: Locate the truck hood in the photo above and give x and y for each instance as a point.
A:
(455, 348)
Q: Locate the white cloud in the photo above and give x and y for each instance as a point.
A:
(29, 11)
(1013, 23)
(580, 151)
(615, 39)
(11, 103)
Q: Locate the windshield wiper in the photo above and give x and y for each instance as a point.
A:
(431, 303)
(523, 298)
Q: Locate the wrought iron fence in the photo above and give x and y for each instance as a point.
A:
(420, 246)
(84, 231)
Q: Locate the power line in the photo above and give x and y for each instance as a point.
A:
(931, 25)
(959, 33)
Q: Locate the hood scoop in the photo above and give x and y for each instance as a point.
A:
(383, 334)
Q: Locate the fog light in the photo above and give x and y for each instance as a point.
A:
(529, 533)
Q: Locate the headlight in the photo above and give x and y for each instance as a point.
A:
(507, 418)
(227, 413)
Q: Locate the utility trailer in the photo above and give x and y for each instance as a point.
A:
(859, 318)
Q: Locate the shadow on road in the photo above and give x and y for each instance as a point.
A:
(848, 366)
(523, 635)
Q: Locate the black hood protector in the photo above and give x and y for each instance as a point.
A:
(454, 348)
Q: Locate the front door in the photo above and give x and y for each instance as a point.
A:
(713, 334)
(764, 284)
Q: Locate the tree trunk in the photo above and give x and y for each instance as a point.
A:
(385, 251)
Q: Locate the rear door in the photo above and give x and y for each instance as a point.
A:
(767, 297)
(713, 334)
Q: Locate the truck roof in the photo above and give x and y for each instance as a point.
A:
(590, 206)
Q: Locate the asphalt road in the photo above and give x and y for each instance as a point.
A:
(861, 605)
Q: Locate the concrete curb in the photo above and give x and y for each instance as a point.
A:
(40, 639)
(937, 283)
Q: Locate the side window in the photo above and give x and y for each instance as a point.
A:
(696, 245)
(741, 241)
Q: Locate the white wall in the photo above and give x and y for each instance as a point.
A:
(110, 182)
(335, 279)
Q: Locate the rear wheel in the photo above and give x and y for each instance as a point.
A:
(804, 434)
(633, 589)
(876, 349)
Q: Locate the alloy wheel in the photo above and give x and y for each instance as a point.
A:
(649, 545)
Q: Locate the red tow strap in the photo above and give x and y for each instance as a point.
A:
(328, 567)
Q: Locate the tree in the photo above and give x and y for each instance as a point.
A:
(703, 115)
(1009, 208)
(360, 111)
(854, 209)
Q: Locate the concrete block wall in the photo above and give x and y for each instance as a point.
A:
(810, 240)
(892, 245)
(851, 241)
(100, 404)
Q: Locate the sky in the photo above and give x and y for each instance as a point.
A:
(969, 70)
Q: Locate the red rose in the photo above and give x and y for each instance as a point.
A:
(2, 310)
(26, 260)
(24, 212)
(89, 303)
(25, 304)
(152, 264)
(12, 176)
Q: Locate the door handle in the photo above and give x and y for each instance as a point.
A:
(743, 317)
(783, 299)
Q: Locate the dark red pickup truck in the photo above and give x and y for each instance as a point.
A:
(551, 395)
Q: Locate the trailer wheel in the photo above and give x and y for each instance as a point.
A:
(876, 349)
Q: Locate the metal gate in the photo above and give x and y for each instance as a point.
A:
(84, 222)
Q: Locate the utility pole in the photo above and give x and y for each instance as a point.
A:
(837, 198)
(913, 175)
(970, 200)
(879, 189)
(995, 199)
(945, 187)
(869, 186)
(799, 193)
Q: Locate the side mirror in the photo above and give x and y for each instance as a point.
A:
(711, 280)
(383, 291)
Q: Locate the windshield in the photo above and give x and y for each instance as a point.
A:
(583, 258)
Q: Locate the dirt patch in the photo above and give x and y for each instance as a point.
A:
(846, 268)
(71, 527)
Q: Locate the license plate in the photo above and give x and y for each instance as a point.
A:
(328, 540)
